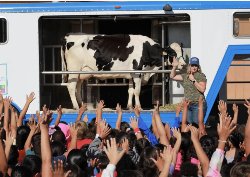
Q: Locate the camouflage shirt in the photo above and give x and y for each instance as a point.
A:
(190, 91)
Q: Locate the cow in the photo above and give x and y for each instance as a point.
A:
(85, 52)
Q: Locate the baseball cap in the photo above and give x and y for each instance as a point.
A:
(194, 61)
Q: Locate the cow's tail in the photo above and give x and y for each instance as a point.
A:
(64, 66)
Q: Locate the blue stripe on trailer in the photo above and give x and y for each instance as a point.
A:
(111, 117)
(232, 50)
(16, 106)
(119, 6)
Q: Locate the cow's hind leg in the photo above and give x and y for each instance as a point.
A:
(72, 91)
(137, 81)
(79, 91)
(130, 94)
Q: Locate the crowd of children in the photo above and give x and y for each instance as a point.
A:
(87, 148)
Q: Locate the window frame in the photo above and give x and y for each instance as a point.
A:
(4, 33)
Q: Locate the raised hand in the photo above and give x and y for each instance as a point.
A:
(30, 97)
(125, 145)
(118, 109)
(176, 133)
(83, 108)
(222, 107)
(247, 105)
(114, 155)
(100, 105)
(235, 108)
(175, 62)
(225, 127)
(58, 169)
(104, 131)
(133, 123)
(194, 133)
(59, 110)
(32, 124)
(137, 110)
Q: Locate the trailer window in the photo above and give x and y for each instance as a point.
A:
(241, 24)
(3, 30)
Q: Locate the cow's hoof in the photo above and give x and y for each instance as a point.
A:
(130, 108)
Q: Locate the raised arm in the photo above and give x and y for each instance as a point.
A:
(33, 127)
(114, 156)
(59, 115)
(119, 116)
(1, 106)
(7, 103)
(184, 115)
(160, 127)
(134, 125)
(224, 129)
(143, 126)
(3, 160)
(154, 126)
(247, 129)
(29, 99)
(222, 107)
(13, 124)
(236, 111)
(99, 108)
(202, 130)
(173, 74)
(73, 143)
(82, 109)
(199, 151)
(45, 146)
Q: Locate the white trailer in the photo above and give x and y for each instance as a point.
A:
(216, 32)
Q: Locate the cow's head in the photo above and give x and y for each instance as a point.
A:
(174, 50)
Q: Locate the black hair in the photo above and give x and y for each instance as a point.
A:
(235, 138)
(146, 164)
(241, 169)
(76, 157)
(140, 144)
(113, 133)
(13, 156)
(185, 147)
(33, 162)
(120, 137)
(21, 171)
(36, 142)
(59, 136)
(189, 170)
(131, 173)
(208, 145)
(76, 171)
(124, 126)
(225, 169)
(125, 163)
(57, 148)
(22, 135)
(102, 161)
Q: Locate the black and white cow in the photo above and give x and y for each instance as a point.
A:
(84, 52)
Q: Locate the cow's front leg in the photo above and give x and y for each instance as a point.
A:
(79, 91)
(72, 92)
(130, 95)
(137, 81)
